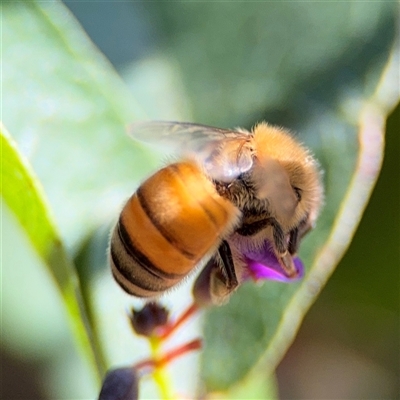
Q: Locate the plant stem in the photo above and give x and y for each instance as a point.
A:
(171, 328)
(160, 375)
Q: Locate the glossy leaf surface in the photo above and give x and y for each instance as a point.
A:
(24, 196)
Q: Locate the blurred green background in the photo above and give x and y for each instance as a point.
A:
(175, 57)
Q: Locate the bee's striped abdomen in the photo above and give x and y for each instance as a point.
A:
(172, 221)
(132, 269)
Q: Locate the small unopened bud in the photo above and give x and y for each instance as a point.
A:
(150, 317)
(120, 384)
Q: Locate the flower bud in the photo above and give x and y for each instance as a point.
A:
(150, 317)
(120, 384)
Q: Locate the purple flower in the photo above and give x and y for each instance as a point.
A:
(263, 264)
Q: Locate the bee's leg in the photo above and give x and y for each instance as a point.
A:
(227, 266)
(283, 250)
(294, 241)
(217, 280)
(297, 233)
(254, 227)
(279, 237)
(280, 241)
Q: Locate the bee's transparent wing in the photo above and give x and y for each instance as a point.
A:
(223, 153)
(179, 135)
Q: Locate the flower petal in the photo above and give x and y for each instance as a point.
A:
(259, 271)
(263, 264)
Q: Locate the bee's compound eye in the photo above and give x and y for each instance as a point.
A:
(120, 384)
(297, 192)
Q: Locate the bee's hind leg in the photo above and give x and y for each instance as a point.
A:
(218, 278)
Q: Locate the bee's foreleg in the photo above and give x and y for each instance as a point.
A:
(281, 244)
(297, 233)
(294, 241)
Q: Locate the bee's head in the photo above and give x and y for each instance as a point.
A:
(287, 175)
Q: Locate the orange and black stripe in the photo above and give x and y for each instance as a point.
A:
(132, 269)
(172, 221)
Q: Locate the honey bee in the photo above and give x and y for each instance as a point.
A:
(233, 194)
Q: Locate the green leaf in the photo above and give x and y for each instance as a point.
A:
(24, 196)
(242, 62)
(75, 111)
(68, 112)
(257, 386)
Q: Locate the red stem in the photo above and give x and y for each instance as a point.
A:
(171, 328)
(169, 356)
(149, 363)
(179, 351)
